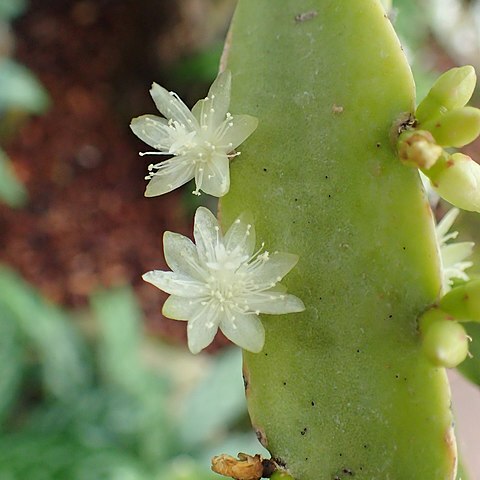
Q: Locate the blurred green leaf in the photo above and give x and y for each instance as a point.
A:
(19, 89)
(217, 401)
(202, 67)
(51, 333)
(470, 368)
(119, 319)
(184, 467)
(411, 22)
(11, 362)
(56, 457)
(12, 192)
(119, 348)
(9, 9)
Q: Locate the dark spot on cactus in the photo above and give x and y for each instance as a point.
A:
(378, 145)
(358, 350)
(261, 437)
(326, 176)
(405, 379)
(284, 384)
(347, 471)
(269, 466)
(390, 316)
(340, 454)
(397, 376)
(264, 169)
(280, 462)
(365, 446)
(303, 17)
(296, 199)
(404, 248)
(313, 404)
(246, 380)
(329, 196)
(304, 431)
(266, 354)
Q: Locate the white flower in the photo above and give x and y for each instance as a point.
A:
(220, 282)
(200, 141)
(452, 255)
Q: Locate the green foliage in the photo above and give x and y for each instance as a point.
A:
(20, 93)
(90, 407)
(9, 9)
(19, 89)
(344, 384)
(12, 191)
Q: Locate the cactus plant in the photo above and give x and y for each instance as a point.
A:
(343, 388)
(350, 380)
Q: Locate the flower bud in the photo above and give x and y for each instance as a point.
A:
(463, 302)
(455, 128)
(444, 341)
(417, 148)
(452, 90)
(457, 180)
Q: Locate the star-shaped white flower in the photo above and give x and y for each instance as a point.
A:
(452, 255)
(201, 142)
(221, 282)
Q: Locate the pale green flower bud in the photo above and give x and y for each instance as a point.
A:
(280, 475)
(444, 341)
(417, 148)
(455, 128)
(463, 302)
(457, 180)
(452, 90)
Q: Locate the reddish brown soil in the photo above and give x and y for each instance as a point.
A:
(87, 224)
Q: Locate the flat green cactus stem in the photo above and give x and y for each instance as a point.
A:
(341, 390)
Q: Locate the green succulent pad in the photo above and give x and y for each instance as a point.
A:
(342, 389)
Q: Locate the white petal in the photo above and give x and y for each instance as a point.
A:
(275, 303)
(456, 252)
(206, 233)
(153, 131)
(243, 127)
(241, 235)
(245, 330)
(175, 283)
(212, 110)
(173, 173)
(171, 107)
(181, 255)
(275, 268)
(216, 176)
(202, 329)
(446, 223)
(180, 308)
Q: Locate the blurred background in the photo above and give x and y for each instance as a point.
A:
(94, 383)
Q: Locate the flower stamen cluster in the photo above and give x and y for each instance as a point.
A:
(221, 282)
(200, 142)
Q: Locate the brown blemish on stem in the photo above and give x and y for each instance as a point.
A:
(451, 444)
(337, 108)
(246, 379)
(303, 17)
(261, 436)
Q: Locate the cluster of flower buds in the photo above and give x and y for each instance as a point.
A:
(442, 120)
